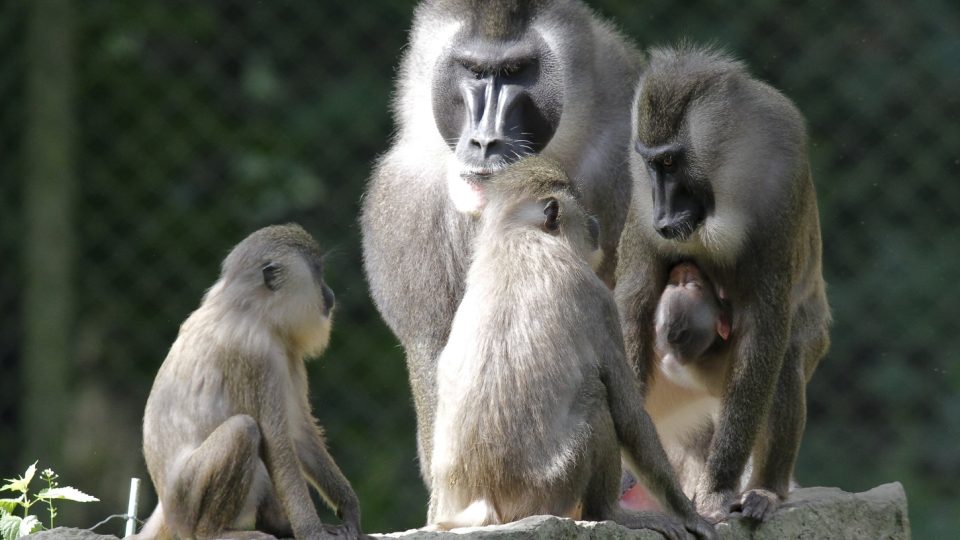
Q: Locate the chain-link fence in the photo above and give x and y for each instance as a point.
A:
(165, 131)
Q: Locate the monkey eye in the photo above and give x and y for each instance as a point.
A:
(667, 161)
(474, 69)
(551, 212)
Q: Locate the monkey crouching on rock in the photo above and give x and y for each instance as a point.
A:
(722, 181)
(535, 398)
(228, 435)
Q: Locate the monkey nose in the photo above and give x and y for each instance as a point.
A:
(485, 145)
(670, 231)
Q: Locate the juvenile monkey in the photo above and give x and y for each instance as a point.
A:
(535, 398)
(722, 180)
(228, 436)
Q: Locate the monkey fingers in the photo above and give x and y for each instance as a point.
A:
(758, 504)
(668, 526)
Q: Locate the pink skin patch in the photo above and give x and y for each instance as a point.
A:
(637, 498)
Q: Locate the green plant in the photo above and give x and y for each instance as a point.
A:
(13, 526)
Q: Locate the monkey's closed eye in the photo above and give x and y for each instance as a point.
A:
(475, 70)
(551, 212)
(272, 275)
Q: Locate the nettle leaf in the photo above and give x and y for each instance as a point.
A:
(66, 492)
(10, 527)
(10, 505)
(29, 525)
(20, 484)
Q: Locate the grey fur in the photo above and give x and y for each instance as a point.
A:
(535, 397)
(228, 435)
(416, 243)
(745, 159)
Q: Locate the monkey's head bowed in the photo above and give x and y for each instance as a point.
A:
(535, 196)
(273, 281)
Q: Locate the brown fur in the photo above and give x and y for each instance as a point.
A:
(229, 438)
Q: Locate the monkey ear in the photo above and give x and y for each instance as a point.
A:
(551, 213)
(593, 227)
(272, 275)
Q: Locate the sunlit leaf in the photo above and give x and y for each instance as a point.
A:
(10, 527)
(10, 505)
(20, 484)
(30, 524)
(66, 492)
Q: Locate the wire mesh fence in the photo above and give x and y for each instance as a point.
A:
(191, 124)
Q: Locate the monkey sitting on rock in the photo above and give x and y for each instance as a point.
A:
(228, 436)
(535, 398)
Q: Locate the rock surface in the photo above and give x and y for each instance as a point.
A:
(67, 533)
(817, 512)
(810, 513)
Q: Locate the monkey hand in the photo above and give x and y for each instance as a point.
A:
(758, 504)
(715, 506)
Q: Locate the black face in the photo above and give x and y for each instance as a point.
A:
(679, 204)
(495, 102)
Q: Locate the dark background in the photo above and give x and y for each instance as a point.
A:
(140, 140)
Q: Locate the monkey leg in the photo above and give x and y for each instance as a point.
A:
(271, 517)
(777, 445)
(209, 490)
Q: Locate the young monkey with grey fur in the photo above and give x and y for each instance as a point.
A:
(722, 181)
(228, 435)
(535, 397)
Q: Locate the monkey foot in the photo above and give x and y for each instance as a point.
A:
(758, 504)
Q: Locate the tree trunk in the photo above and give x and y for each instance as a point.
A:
(49, 239)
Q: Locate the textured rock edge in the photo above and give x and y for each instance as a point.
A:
(815, 512)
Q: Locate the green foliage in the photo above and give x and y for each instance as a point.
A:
(12, 526)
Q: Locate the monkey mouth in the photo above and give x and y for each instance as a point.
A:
(477, 175)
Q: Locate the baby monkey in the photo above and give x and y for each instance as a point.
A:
(692, 322)
(228, 435)
(690, 319)
(535, 396)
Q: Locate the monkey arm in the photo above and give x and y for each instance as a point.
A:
(280, 456)
(322, 471)
(635, 430)
(640, 280)
(758, 359)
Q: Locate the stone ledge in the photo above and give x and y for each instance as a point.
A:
(816, 512)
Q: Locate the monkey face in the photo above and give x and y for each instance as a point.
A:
(494, 101)
(680, 203)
